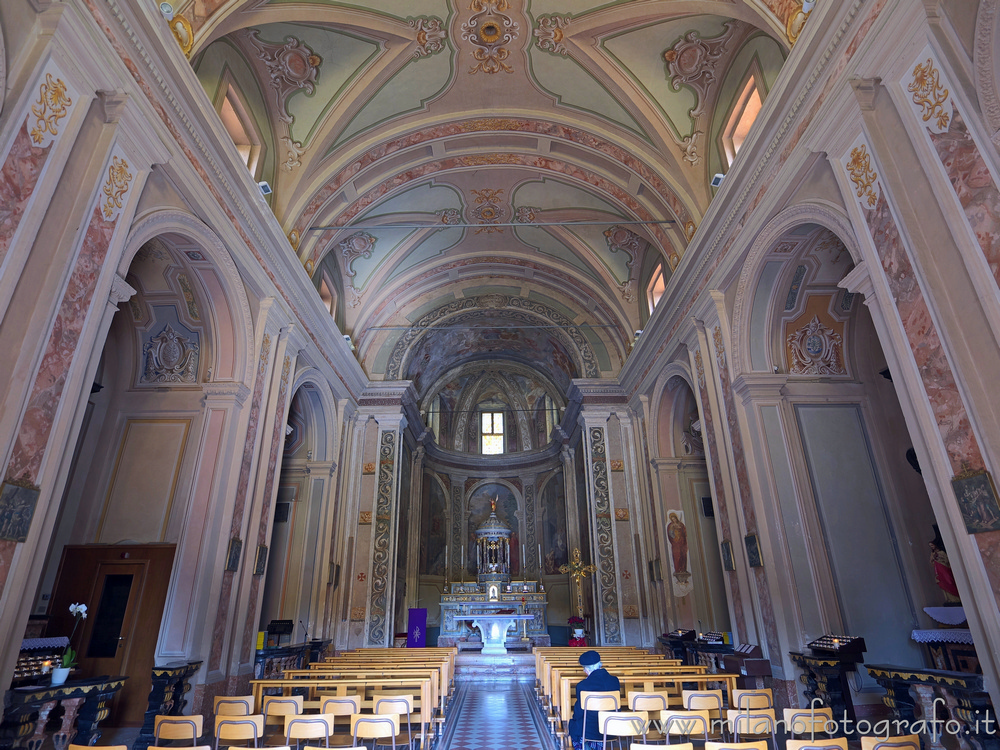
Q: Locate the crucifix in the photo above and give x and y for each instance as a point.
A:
(578, 571)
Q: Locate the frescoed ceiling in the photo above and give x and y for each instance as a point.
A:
(487, 179)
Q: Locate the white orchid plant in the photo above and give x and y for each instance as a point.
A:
(79, 612)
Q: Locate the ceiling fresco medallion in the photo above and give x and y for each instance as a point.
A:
(430, 36)
(292, 67)
(691, 62)
(488, 31)
(549, 34)
(488, 210)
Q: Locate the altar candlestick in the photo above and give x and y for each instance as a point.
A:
(539, 561)
(523, 574)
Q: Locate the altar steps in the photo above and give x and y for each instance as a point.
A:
(510, 667)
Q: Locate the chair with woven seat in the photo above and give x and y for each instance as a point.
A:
(808, 721)
(166, 727)
(618, 724)
(755, 721)
(753, 698)
(831, 743)
(374, 727)
(233, 705)
(900, 742)
(598, 700)
(308, 727)
(402, 705)
(238, 728)
(341, 706)
(675, 723)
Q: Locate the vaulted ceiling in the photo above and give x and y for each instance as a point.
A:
(479, 179)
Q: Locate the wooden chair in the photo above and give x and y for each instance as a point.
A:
(621, 724)
(308, 727)
(237, 728)
(755, 721)
(166, 727)
(594, 700)
(402, 705)
(71, 746)
(341, 706)
(811, 721)
(685, 723)
(154, 747)
(756, 698)
(233, 705)
(705, 700)
(372, 727)
(275, 709)
(759, 745)
(651, 703)
(832, 743)
(900, 742)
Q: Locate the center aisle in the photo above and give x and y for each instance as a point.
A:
(495, 716)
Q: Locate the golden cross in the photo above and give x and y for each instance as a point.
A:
(578, 571)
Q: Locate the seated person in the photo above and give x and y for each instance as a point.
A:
(598, 679)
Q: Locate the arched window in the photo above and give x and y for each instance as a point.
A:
(656, 287)
(240, 128)
(745, 111)
(491, 432)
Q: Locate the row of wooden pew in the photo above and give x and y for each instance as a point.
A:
(425, 674)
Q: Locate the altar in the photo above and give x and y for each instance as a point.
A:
(493, 598)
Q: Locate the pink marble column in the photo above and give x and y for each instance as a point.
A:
(18, 178)
(714, 461)
(239, 506)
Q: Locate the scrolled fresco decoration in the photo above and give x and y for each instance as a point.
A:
(52, 105)
(816, 350)
(291, 66)
(115, 187)
(358, 245)
(691, 62)
(430, 36)
(606, 576)
(549, 34)
(627, 288)
(526, 214)
(930, 95)
(295, 150)
(530, 540)
(486, 209)
(169, 357)
(449, 216)
(488, 31)
(859, 169)
(383, 526)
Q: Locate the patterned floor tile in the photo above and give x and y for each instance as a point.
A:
(498, 716)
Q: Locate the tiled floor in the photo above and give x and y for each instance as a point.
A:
(495, 716)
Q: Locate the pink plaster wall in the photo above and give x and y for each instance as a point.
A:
(18, 178)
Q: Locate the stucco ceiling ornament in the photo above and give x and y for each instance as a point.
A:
(449, 216)
(292, 67)
(691, 62)
(797, 20)
(355, 295)
(526, 214)
(295, 150)
(180, 27)
(358, 245)
(816, 350)
(621, 238)
(169, 358)
(430, 36)
(549, 34)
(488, 31)
(627, 288)
(689, 146)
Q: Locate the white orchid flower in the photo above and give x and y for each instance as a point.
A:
(78, 610)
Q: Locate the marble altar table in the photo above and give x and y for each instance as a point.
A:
(493, 629)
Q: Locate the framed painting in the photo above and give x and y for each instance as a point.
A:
(728, 561)
(753, 551)
(260, 562)
(977, 498)
(17, 508)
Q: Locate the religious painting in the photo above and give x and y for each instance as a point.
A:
(17, 507)
(434, 529)
(754, 558)
(233, 554)
(479, 511)
(977, 498)
(677, 537)
(728, 561)
(260, 562)
(553, 510)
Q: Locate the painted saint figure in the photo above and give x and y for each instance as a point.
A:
(677, 534)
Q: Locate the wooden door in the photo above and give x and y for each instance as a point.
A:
(125, 589)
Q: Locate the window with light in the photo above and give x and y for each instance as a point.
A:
(492, 432)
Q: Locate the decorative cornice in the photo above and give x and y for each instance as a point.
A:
(226, 390)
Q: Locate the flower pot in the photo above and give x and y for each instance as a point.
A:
(578, 632)
(59, 675)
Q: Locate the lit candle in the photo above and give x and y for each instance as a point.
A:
(539, 559)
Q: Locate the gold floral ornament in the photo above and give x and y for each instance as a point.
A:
(52, 105)
(930, 95)
(863, 176)
(115, 187)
